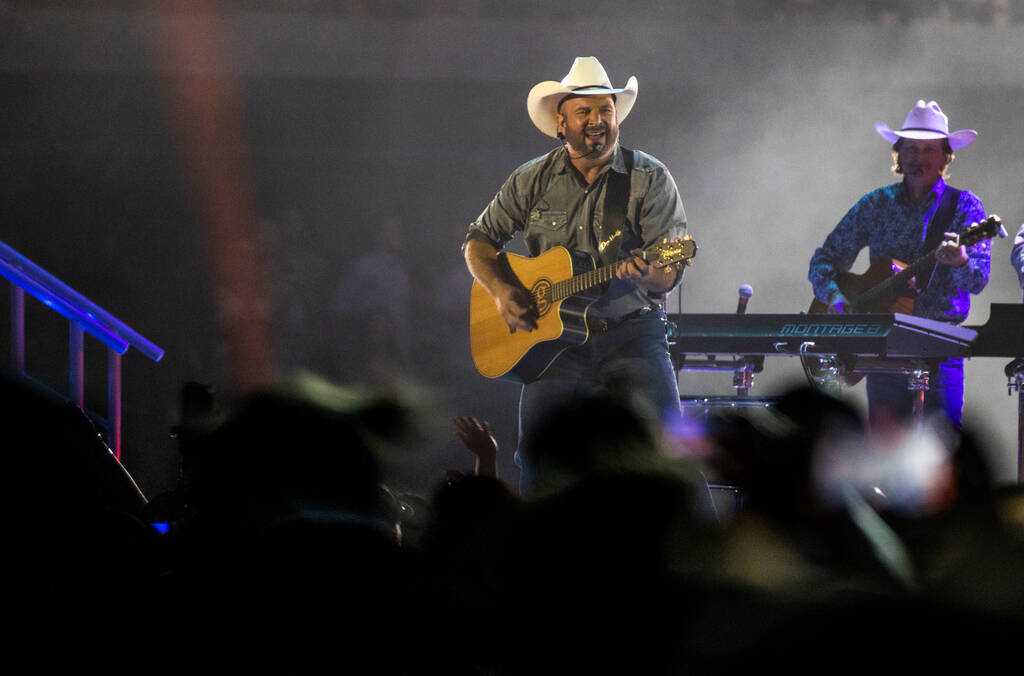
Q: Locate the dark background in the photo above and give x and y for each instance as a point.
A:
(261, 187)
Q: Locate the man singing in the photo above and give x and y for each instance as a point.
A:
(567, 197)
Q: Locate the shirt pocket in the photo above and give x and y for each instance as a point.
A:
(547, 221)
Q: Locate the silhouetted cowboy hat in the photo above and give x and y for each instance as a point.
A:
(927, 121)
(585, 78)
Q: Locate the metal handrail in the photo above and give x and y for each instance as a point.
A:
(64, 300)
(83, 316)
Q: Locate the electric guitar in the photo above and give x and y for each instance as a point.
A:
(563, 285)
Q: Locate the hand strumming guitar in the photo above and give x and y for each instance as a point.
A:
(950, 253)
(838, 304)
(513, 302)
(516, 307)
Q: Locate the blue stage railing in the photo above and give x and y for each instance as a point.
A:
(83, 316)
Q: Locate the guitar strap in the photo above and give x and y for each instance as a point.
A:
(616, 199)
(941, 219)
(940, 223)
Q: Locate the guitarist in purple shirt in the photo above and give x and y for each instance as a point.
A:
(895, 222)
(568, 198)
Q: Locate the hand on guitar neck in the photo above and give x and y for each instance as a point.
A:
(649, 277)
(951, 252)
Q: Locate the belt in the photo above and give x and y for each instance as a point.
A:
(599, 325)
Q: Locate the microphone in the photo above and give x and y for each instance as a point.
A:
(746, 291)
(598, 147)
(597, 150)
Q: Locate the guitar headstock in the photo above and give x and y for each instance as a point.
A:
(679, 250)
(986, 229)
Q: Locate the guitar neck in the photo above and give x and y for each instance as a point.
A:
(667, 253)
(895, 284)
(581, 282)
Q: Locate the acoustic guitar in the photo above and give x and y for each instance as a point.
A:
(885, 286)
(563, 285)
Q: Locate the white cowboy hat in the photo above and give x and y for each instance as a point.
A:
(927, 121)
(585, 78)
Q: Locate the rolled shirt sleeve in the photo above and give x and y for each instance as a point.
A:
(972, 277)
(661, 215)
(505, 214)
(839, 251)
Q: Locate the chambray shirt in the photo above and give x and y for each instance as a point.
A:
(891, 226)
(548, 202)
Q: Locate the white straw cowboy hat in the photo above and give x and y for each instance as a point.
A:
(927, 121)
(585, 78)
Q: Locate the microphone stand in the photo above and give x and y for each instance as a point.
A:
(743, 367)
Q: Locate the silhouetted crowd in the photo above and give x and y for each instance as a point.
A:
(286, 550)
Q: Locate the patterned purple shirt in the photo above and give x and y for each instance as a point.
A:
(891, 226)
(1017, 255)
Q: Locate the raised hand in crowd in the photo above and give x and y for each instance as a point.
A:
(478, 439)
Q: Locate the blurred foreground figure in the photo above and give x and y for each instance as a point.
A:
(900, 224)
(878, 548)
(80, 562)
(291, 541)
(604, 560)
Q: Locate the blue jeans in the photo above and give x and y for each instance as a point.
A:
(889, 393)
(632, 356)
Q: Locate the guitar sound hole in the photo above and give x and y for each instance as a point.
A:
(541, 293)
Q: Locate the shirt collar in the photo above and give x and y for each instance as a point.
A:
(617, 164)
(933, 196)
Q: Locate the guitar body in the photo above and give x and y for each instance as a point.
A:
(855, 287)
(523, 356)
(886, 286)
